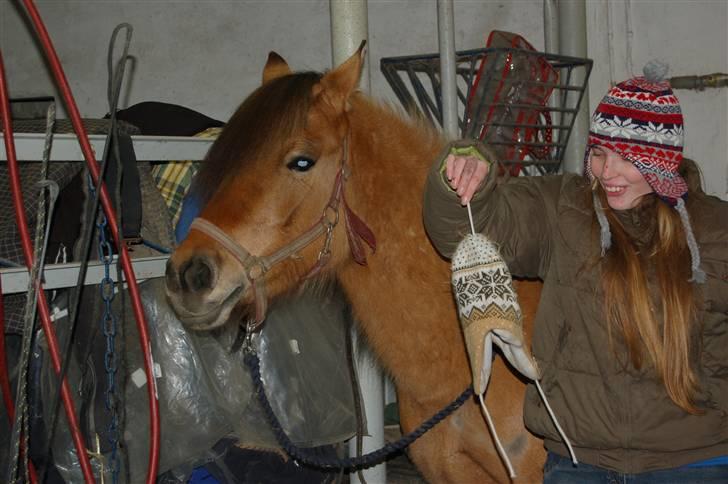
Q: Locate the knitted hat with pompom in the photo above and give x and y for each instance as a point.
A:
(640, 119)
(491, 316)
(488, 309)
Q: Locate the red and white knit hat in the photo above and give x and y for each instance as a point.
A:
(641, 120)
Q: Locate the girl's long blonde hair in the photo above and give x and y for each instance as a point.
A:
(666, 345)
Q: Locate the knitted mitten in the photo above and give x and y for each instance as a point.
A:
(488, 309)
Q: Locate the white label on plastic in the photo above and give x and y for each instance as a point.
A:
(294, 346)
(139, 377)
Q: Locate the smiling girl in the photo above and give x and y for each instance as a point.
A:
(621, 181)
(631, 335)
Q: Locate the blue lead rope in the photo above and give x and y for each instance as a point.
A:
(713, 461)
(368, 460)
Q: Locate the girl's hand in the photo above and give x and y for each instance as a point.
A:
(465, 174)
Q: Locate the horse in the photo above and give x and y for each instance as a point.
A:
(303, 151)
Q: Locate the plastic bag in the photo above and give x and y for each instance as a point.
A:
(507, 106)
(205, 391)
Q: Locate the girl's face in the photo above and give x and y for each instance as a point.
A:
(623, 184)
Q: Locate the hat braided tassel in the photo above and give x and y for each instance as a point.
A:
(489, 313)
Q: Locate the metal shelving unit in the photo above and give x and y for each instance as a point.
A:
(29, 148)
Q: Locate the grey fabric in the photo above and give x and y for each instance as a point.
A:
(10, 247)
(605, 236)
(156, 219)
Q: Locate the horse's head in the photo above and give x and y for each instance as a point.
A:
(267, 180)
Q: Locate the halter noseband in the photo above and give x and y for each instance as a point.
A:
(255, 267)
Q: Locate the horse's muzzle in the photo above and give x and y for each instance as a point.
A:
(195, 295)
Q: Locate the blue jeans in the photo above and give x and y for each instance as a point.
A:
(560, 470)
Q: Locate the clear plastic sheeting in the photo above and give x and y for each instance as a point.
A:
(190, 418)
(43, 382)
(205, 390)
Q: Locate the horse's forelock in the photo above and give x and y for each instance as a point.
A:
(268, 117)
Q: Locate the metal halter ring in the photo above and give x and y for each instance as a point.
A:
(330, 221)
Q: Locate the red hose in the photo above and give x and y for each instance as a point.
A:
(88, 154)
(45, 315)
(5, 379)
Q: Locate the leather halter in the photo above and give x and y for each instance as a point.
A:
(255, 267)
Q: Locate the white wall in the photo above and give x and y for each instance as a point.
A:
(208, 54)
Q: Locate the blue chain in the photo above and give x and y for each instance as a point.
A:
(109, 327)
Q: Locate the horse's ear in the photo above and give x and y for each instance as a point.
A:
(275, 67)
(341, 82)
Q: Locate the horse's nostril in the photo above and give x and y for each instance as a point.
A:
(197, 275)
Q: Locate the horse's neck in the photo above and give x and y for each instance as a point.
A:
(391, 157)
(405, 285)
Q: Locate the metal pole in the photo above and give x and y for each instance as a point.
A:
(572, 42)
(446, 36)
(349, 26)
(551, 46)
(550, 27)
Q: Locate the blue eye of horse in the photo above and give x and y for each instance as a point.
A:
(300, 163)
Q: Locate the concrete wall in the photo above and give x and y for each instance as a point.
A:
(208, 54)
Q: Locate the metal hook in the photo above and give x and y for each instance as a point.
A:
(250, 327)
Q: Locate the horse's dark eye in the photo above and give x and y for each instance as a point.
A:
(301, 163)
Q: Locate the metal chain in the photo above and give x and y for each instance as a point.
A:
(109, 324)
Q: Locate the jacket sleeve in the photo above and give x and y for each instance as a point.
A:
(713, 355)
(710, 222)
(515, 212)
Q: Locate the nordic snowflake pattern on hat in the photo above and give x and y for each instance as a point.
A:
(488, 309)
(482, 283)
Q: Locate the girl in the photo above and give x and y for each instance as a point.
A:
(631, 335)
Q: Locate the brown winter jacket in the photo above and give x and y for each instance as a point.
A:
(616, 417)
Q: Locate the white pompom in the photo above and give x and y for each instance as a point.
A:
(656, 71)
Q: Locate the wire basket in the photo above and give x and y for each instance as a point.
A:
(520, 102)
